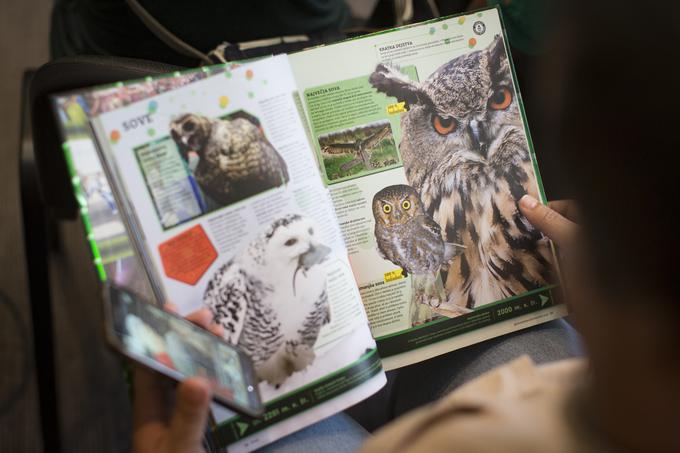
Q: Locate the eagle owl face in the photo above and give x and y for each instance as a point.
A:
(396, 205)
(462, 107)
(190, 132)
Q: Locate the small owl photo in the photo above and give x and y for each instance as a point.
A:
(408, 237)
(466, 154)
(229, 158)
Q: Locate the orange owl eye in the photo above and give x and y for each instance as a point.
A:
(501, 99)
(387, 208)
(443, 126)
(406, 205)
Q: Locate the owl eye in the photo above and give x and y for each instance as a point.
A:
(311, 231)
(189, 126)
(387, 209)
(501, 99)
(290, 242)
(406, 205)
(443, 126)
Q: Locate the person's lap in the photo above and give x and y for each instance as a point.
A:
(413, 386)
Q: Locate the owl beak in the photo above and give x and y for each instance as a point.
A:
(479, 140)
(314, 255)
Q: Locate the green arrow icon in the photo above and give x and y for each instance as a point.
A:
(242, 427)
(544, 299)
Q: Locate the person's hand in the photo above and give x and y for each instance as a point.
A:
(161, 425)
(556, 220)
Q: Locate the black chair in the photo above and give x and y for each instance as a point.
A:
(47, 199)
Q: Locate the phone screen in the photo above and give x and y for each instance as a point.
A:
(177, 348)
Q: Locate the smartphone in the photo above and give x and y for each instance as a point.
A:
(173, 346)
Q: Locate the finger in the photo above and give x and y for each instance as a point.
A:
(190, 416)
(150, 398)
(568, 209)
(202, 318)
(217, 329)
(548, 221)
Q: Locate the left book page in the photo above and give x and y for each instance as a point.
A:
(220, 190)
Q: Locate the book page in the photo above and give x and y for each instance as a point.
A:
(421, 138)
(224, 193)
(113, 255)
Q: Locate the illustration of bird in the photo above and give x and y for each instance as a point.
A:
(409, 238)
(360, 147)
(235, 159)
(466, 153)
(271, 298)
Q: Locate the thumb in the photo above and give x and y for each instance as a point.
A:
(190, 416)
(551, 223)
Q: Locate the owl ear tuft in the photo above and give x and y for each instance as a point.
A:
(393, 83)
(497, 55)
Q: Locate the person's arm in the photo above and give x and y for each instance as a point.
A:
(161, 425)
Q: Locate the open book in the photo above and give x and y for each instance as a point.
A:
(344, 210)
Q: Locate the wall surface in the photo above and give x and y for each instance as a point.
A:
(24, 28)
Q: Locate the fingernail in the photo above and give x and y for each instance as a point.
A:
(528, 202)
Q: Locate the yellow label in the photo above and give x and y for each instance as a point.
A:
(399, 107)
(393, 275)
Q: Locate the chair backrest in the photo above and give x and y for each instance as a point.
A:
(64, 75)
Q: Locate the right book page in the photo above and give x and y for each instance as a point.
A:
(421, 137)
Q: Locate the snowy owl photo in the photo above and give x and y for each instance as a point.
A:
(271, 298)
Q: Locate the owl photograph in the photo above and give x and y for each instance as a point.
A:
(466, 154)
(358, 150)
(229, 158)
(271, 298)
(408, 237)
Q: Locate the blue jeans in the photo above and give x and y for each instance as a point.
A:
(415, 385)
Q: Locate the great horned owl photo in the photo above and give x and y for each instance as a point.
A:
(409, 238)
(271, 298)
(466, 153)
(235, 159)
